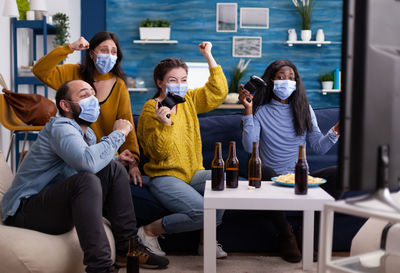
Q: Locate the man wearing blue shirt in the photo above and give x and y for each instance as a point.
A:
(68, 180)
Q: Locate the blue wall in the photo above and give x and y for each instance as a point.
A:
(193, 21)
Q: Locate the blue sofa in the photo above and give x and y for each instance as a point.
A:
(244, 231)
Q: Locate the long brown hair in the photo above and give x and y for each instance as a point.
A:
(163, 68)
(88, 68)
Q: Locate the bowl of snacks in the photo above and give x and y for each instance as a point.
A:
(287, 180)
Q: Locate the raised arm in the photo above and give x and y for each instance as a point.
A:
(251, 126)
(215, 90)
(48, 70)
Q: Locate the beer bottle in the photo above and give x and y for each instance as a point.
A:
(232, 167)
(255, 167)
(301, 172)
(132, 259)
(217, 169)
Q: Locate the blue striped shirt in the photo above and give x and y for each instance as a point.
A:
(60, 151)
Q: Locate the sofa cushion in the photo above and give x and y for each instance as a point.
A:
(327, 118)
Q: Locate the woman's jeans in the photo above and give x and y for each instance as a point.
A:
(184, 200)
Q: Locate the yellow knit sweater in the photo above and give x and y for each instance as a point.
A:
(116, 106)
(175, 150)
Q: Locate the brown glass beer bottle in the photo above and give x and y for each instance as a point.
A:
(255, 167)
(217, 169)
(132, 259)
(232, 167)
(301, 172)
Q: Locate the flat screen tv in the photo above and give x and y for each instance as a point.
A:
(369, 153)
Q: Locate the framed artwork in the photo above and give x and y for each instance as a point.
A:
(254, 18)
(245, 46)
(226, 17)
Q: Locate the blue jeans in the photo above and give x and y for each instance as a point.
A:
(184, 200)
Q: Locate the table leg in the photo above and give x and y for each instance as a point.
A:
(325, 239)
(210, 237)
(308, 239)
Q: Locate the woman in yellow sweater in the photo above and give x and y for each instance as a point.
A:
(101, 68)
(171, 139)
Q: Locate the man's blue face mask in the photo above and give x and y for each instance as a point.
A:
(105, 62)
(90, 109)
(177, 88)
(284, 88)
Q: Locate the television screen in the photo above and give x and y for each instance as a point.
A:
(370, 100)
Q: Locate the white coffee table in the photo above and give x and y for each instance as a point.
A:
(269, 197)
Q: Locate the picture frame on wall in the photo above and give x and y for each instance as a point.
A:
(226, 19)
(246, 46)
(254, 18)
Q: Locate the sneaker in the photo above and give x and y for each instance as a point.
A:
(146, 258)
(220, 252)
(150, 242)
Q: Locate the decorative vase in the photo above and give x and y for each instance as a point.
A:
(292, 34)
(232, 98)
(306, 35)
(320, 36)
(327, 85)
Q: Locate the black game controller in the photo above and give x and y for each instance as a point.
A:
(253, 84)
(170, 101)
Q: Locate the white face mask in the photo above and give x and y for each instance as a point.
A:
(105, 62)
(90, 109)
(177, 88)
(284, 88)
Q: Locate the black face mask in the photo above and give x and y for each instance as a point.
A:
(170, 101)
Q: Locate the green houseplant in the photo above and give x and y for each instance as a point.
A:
(326, 81)
(238, 73)
(23, 7)
(305, 8)
(150, 29)
(61, 22)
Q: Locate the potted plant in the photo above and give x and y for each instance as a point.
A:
(23, 7)
(238, 73)
(305, 8)
(326, 81)
(154, 29)
(61, 23)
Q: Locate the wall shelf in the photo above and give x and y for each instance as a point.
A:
(326, 91)
(143, 89)
(155, 41)
(291, 43)
(38, 27)
(230, 106)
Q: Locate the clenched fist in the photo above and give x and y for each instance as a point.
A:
(123, 125)
(80, 44)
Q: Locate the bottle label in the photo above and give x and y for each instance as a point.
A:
(254, 178)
